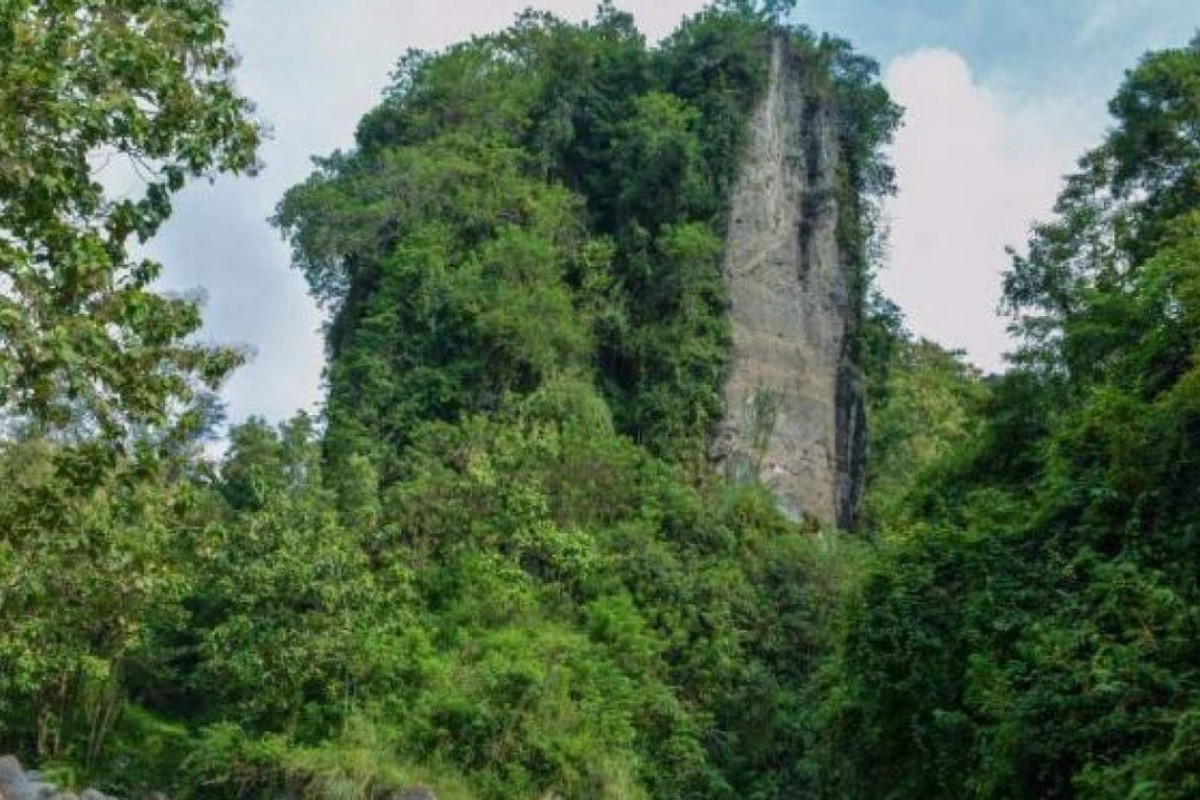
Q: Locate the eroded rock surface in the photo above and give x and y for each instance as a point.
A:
(17, 784)
(795, 415)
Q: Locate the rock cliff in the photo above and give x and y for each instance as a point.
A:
(17, 784)
(795, 416)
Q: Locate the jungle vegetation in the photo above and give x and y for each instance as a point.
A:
(498, 563)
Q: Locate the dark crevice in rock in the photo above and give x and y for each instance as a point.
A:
(791, 285)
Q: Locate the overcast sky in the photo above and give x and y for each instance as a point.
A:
(1001, 96)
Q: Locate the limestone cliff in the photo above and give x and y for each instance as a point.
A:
(794, 400)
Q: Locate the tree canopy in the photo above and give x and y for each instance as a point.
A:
(498, 564)
(1031, 634)
(86, 86)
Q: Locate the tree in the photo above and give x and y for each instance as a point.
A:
(775, 10)
(87, 85)
(1112, 216)
(1033, 635)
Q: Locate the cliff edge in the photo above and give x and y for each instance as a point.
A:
(795, 416)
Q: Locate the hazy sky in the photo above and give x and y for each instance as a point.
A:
(1001, 97)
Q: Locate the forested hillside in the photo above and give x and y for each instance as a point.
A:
(500, 563)
(1030, 629)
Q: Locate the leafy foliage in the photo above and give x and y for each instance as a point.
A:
(83, 85)
(617, 161)
(1031, 630)
(497, 566)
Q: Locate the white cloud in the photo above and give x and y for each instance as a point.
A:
(975, 170)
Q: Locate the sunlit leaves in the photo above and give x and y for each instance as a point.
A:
(85, 86)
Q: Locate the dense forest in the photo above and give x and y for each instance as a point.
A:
(500, 564)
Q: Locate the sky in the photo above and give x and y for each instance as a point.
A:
(1001, 97)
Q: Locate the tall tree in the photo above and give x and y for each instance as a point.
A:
(85, 85)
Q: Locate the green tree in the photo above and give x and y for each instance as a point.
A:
(1032, 634)
(931, 410)
(85, 84)
(88, 574)
(503, 558)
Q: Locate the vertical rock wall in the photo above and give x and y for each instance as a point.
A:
(794, 400)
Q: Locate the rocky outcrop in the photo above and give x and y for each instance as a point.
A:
(795, 416)
(17, 784)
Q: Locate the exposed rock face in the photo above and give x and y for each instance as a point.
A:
(17, 784)
(14, 785)
(795, 415)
